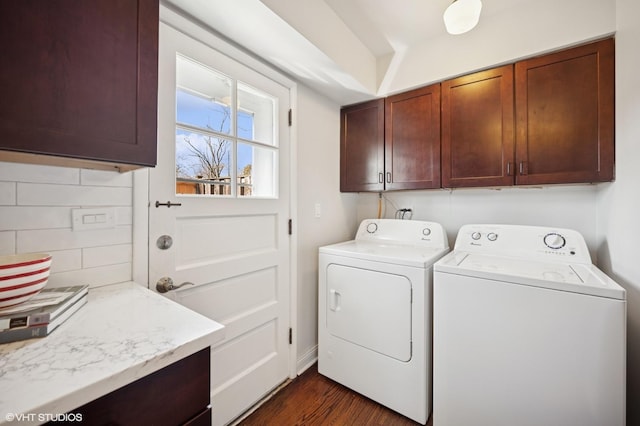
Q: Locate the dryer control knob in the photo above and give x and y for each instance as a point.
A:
(554, 241)
(372, 227)
(426, 232)
(476, 235)
(492, 236)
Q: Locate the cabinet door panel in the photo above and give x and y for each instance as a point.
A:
(412, 139)
(175, 395)
(565, 117)
(79, 79)
(477, 129)
(362, 147)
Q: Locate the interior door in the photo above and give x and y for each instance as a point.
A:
(220, 234)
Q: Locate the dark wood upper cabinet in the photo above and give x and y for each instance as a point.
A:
(565, 116)
(412, 139)
(362, 147)
(79, 81)
(478, 129)
(544, 120)
(392, 143)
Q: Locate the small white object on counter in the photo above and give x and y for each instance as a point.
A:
(125, 332)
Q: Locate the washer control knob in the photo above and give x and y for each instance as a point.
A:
(492, 236)
(426, 232)
(476, 235)
(372, 227)
(554, 241)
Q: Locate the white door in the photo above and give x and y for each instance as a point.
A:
(223, 156)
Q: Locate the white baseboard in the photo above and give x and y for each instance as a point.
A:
(307, 359)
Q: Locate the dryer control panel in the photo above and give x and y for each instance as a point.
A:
(406, 232)
(526, 242)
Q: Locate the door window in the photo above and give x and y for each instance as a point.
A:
(226, 135)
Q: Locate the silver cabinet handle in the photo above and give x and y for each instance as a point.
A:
(165, 284)
(380, 178)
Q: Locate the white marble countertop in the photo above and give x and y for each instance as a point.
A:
(123, 333)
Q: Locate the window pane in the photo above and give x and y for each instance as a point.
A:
(218, 153)
(203, 97)
(256, 115)
(203, 164)
(256, 171)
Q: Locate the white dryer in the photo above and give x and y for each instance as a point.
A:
(374, 312)
(527, 331)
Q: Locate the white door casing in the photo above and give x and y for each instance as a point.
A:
(235, 251)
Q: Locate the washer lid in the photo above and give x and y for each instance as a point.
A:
(397, 254)
(572, 277)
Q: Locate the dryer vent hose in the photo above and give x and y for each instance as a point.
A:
(380, 205)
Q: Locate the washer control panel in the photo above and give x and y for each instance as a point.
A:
(527, 242)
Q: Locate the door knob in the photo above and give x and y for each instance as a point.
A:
(165, 284)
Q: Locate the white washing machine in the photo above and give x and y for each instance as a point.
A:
(374, 312)
(527, 331)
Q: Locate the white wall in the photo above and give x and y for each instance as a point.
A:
(35, 216)
(619, 202)
(318, 170)
(522, 30)
(560, 206)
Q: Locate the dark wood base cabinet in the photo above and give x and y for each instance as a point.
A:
(176, 395)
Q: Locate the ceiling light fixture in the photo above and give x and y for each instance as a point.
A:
(462, 15)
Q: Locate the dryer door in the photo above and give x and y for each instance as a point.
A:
(371, 309)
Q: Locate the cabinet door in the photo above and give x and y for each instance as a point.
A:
(565, 116)
(412, 139)
(178, 394)
(478, 129)
(362, 147)
(79, 79)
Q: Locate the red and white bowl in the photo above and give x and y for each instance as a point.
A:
(22, 276)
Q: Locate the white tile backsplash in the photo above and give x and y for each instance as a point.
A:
(35, 215)
(61, 239)
(16, 172)
(7, 241)
(38, 194)
(106, 255)
(67, 260)
(7, 193)
(100, 178)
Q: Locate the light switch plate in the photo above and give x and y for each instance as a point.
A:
(95, 218)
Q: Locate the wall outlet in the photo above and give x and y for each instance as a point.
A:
(89, 219)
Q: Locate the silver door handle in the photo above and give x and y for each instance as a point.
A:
(165, 284)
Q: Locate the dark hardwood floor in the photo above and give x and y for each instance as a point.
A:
(312, 399)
